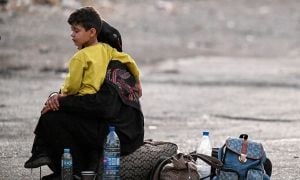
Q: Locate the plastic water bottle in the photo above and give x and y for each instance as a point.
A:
(66, 165)
(204, 147)
(111, 159)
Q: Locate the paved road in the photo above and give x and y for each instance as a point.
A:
(181, 98)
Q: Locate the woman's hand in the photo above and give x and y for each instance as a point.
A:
(138, 86)
(52, 103)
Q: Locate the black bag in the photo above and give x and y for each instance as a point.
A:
(181, 166)
(138, 165)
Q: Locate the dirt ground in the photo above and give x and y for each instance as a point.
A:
(229, 66)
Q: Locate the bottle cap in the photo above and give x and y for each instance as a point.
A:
(205, 133)
(111, 128)
(66, 150)
(87, 173)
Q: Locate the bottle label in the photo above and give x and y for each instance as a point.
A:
(111, 164)
(66, 163)
(111, 161)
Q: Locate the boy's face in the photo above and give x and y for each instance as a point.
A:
(82, 37)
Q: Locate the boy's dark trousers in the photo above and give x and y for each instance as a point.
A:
(84, 136)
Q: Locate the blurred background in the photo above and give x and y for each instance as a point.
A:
(35, 34)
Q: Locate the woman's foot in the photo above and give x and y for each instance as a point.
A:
(37, 160)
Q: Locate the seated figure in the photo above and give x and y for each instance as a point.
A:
(80, 120)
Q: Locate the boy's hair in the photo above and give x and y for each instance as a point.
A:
(87, 17)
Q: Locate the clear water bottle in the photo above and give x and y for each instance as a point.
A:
(204, 147)
(111, 159)
(66, 165)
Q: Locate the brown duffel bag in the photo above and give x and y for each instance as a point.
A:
(182, 166)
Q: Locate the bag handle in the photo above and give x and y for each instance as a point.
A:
(156, 143)
(155, 174)
(212, 161)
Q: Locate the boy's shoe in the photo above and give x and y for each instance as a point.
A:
(53, 176)
(37, 160)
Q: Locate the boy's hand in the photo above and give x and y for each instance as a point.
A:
(45, 109)
(138, 86)
(52, 103)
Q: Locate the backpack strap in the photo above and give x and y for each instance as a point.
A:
(212, 161)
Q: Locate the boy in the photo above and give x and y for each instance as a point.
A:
(87, 68)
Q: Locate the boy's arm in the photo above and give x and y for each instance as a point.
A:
(73, 79)
(71, 84)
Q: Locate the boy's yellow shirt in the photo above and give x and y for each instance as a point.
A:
(87, 69)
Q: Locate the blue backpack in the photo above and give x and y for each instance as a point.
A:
(243, 160)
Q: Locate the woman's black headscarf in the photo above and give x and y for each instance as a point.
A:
(111, 36)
